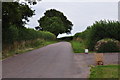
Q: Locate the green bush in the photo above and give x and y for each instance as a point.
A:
(37, 43)
(82, 35)
(10, 35)
(102, 29)
(67, 38)
(107, 45)
(13, 34)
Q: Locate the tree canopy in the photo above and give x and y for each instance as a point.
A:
(31, 2)
(54, 21)
(14, 13)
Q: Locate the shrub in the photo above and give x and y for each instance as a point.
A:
(107, 45)
(82, 35)
(15, 37)
(102, 29)
(13, 34)
(37, 43)
(10, 35)
(67, 38)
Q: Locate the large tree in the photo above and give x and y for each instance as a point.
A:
(14, 13)
(56, 22)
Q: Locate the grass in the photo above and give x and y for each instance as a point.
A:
(78, 47)
(106, 71)
(20, 51)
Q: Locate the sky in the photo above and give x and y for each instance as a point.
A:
(81, 13)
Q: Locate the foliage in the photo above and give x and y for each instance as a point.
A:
(53, 24)
(82, 35)
(24, 34)
(107, 45)
(102, 29)
(10, 35)
(31, 2)
(78, 47)
(54, 21)
(14, 17)
(99, 30)
(14, 13)
(14, 34)
(68, 38)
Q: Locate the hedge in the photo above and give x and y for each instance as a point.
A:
(13, 34)
(102, 29)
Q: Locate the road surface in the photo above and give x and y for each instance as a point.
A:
(52, 61)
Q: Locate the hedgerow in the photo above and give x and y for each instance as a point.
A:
(19, 38)
(13, 34)
(102, 29)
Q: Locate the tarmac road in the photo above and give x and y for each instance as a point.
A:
(52, 61)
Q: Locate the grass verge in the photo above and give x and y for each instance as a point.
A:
(78, 47)
(106, 71)
(26, 49)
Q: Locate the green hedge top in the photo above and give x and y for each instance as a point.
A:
(13, 34)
